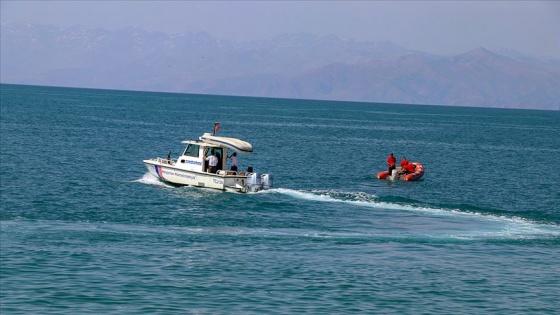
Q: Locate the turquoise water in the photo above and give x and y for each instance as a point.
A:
(84, 228)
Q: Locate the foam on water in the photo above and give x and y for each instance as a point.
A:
(493, 226)
(506, 227)
(509, 233)
(150, 180)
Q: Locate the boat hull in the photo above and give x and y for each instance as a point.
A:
(418, 173)
(181, 177)
(382, 175)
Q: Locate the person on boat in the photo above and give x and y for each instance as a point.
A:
(404, 161)
(212, 162)
(219, 157)
(409, 168)
(234, 161)
(391, 161)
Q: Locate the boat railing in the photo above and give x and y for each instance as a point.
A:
(228, 173)
(166, 161)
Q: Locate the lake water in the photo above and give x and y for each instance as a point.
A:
(85, 229)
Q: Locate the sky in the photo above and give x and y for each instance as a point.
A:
(439, 27)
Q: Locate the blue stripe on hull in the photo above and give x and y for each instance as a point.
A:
(158, 171)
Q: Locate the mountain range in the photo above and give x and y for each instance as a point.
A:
(302, 66)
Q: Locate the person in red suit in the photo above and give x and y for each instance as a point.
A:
(391, 161)
(404, 161)
(409, 168)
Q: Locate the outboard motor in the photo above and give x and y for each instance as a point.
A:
(266, 180)
(254, 182)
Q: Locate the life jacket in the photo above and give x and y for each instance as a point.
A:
(410, 167)
(391, 161)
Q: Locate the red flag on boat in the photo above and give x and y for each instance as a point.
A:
(216, 127)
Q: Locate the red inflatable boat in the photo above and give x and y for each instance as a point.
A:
(416, 175)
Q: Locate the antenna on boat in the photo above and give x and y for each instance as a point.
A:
(216, 127)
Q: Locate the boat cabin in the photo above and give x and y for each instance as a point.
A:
(195, 153)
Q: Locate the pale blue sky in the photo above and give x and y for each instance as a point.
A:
(441, 27)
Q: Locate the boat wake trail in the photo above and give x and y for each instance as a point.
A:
(360, 199)
(470, 223)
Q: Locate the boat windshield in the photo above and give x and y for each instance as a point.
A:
(191, 150)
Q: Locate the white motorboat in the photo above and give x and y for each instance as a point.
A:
(191, 168)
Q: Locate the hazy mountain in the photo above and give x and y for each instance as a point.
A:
(290, 66)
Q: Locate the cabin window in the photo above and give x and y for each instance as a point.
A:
(191, 150)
